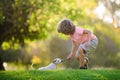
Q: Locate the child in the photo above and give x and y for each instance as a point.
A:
(83, 41)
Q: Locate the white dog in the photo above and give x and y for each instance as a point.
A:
(51, 66)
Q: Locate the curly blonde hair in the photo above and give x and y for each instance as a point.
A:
(66, 27)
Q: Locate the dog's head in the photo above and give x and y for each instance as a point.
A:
(57, 60)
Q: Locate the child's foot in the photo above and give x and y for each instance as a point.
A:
(82, 67)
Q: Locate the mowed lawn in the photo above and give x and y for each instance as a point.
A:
(68, 74)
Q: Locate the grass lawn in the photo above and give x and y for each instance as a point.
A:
(69, 74)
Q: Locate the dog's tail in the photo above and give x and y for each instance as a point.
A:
(32, 66)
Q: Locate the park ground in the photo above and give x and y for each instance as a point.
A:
(68, 74)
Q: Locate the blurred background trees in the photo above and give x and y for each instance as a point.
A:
(28, 31)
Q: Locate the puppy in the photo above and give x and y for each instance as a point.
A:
(51, 66)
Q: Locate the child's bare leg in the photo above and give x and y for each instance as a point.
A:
(81, 57)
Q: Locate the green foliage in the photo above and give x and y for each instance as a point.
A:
(7, 56)
(61, 75)
(1, 17)
(26, 20)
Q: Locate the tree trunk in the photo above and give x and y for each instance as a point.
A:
(1, 64)
(1, 60)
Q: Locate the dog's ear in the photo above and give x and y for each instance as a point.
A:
(54, 60)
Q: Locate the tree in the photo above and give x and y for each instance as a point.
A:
(112, 9)
(22, 20)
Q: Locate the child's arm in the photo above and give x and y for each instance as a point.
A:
(73, 50)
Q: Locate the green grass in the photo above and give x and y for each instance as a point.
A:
(69, 74)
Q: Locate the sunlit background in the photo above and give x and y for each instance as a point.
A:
(28, 32)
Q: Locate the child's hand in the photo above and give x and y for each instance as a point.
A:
(69, 56)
